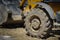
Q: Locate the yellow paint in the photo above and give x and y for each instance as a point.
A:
(22, 2)
(31, 3)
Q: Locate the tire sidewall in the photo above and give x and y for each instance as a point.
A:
(4, 14)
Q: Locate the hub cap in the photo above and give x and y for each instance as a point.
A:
(35, 24)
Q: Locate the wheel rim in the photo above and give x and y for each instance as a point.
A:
(35, 24)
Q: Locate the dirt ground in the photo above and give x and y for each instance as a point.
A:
(20, 34)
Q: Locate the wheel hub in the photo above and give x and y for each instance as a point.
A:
(35, 24)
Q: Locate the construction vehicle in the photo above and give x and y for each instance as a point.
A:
(39, 16)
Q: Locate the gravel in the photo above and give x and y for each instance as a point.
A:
(19, 34)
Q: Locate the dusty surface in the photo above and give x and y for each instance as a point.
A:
(20, 34)
(17, 33)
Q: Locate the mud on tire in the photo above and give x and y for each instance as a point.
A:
(37, 23)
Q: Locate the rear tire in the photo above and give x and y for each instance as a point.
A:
(42, 25)
(3, 14)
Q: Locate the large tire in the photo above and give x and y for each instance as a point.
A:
(41, 25)
(3, 14)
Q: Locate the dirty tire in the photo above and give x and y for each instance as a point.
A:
(3, 14)
(42, 23)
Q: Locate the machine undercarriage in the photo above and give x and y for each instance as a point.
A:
(38, 16)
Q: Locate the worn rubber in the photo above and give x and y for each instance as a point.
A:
(45, 23)
(3, 14)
